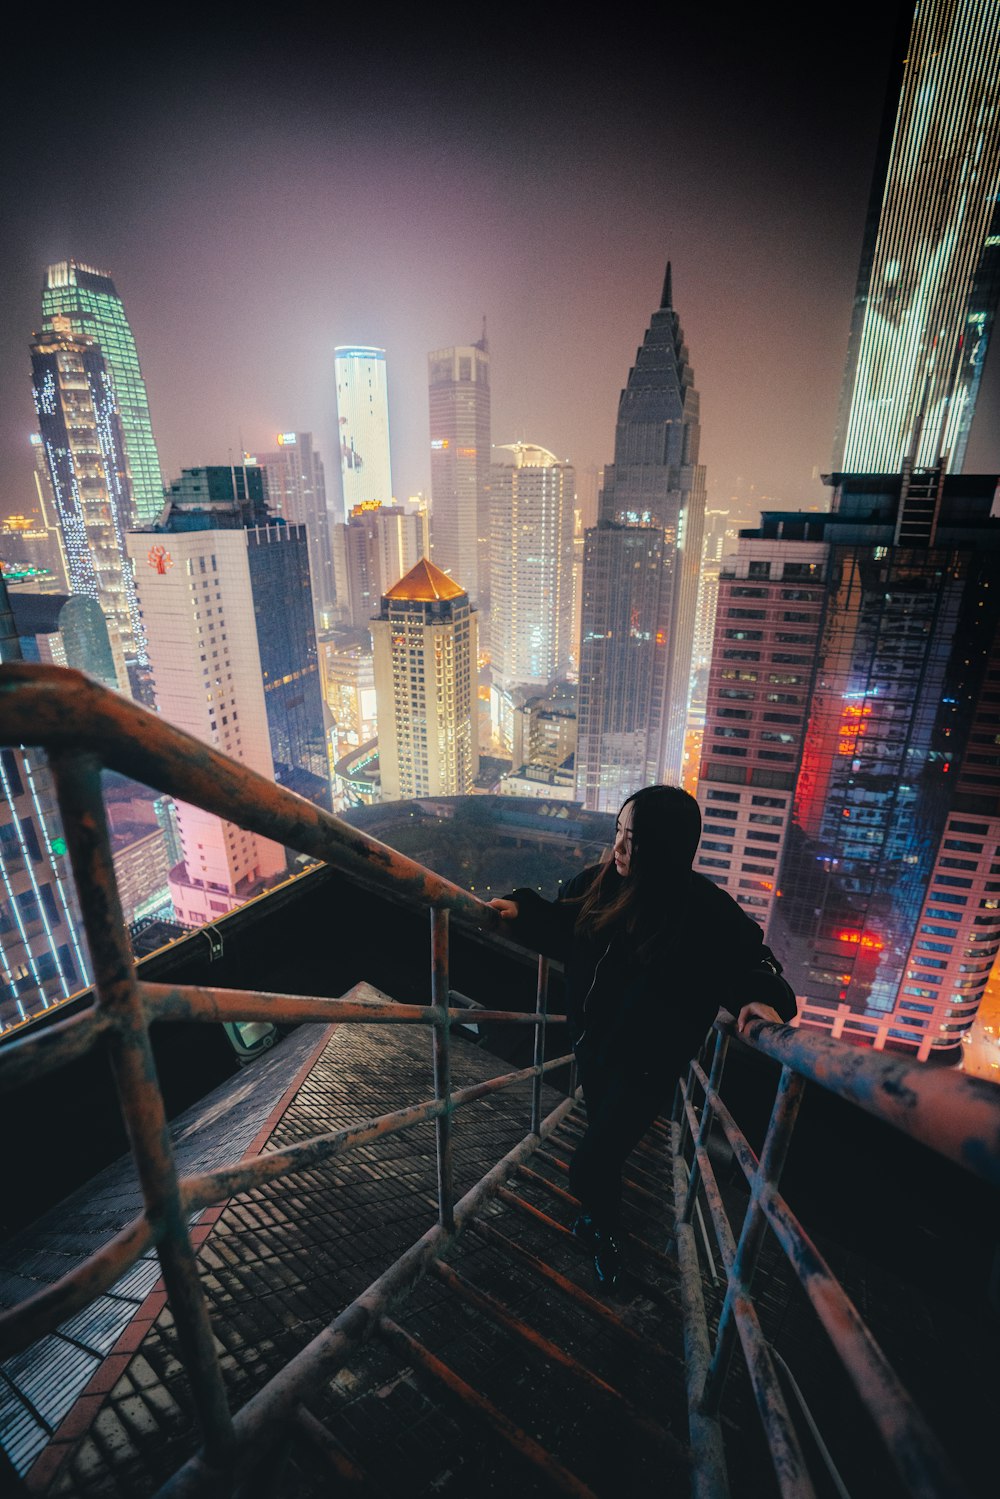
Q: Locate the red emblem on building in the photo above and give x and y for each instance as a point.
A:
(159, 559)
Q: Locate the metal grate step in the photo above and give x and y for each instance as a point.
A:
(506, 1372)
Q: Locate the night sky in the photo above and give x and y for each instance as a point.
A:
(260, 196)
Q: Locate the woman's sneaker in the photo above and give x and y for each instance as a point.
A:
(585, 1229)
(607, 1259)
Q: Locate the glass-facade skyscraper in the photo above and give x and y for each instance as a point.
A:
(82, 435)
(640, 578)
(363, 426)
(930, 264)
(88, 298)
(278, 555)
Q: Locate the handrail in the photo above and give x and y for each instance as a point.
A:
(958, 1117)
(85, 727)
(953, 1114)
(65, 711)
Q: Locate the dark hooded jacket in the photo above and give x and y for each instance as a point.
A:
(647, 1016)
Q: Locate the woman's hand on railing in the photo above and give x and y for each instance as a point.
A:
(757, 1011)
(507, 908)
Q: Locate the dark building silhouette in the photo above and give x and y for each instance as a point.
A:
(286, 637)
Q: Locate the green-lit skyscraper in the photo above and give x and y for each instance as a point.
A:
(89, 299)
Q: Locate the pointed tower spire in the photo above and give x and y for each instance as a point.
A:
(667, 299)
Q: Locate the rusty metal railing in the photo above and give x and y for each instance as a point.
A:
(85, 728)
(957, 1116)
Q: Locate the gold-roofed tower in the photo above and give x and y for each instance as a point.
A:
(424, 583)
(425, 642)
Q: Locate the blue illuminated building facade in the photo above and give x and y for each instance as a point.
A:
(82, 437)
(278, 555)
(42, 956)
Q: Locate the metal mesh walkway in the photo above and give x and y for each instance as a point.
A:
(503, 1371)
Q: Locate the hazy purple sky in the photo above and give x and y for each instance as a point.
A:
(262, 195)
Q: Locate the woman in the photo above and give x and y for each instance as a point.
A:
(651, 950)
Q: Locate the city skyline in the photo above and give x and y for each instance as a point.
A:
(756, 195)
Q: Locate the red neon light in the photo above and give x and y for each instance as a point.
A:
(861, 939)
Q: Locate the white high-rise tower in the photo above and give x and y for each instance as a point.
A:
(363, 426)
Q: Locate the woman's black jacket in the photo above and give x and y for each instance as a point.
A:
(647, 1019)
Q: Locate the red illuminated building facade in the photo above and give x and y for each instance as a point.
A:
(850, 779)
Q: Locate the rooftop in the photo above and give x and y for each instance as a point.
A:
(425, 583)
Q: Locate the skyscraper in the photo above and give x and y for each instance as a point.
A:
(35, 538)
(640, 578)
(460, 465)
(850, 781)
(88, 298)
(425, 685)
(214, 566)
(66, 632)
(363, 426)
(286, 638)
(531, 567)
(378, 545)
(719, 535)
(42, 957)
(296, 491)
(930, 263)
(82, 435)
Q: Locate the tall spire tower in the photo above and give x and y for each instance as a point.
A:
(640, 577)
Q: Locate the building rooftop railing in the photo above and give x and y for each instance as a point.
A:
(84, 727)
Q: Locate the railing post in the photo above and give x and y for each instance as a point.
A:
(541, 1009)
(714, 1083)
(78, 786)
(772, 1159)
(442, 1065)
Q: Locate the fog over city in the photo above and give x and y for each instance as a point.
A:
(261, 195)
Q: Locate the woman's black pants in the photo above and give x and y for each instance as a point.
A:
(619, 1112)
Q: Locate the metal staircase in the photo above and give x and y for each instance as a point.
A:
(479, 1360)
(502, 1373)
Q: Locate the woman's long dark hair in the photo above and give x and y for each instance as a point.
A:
(666, 827)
